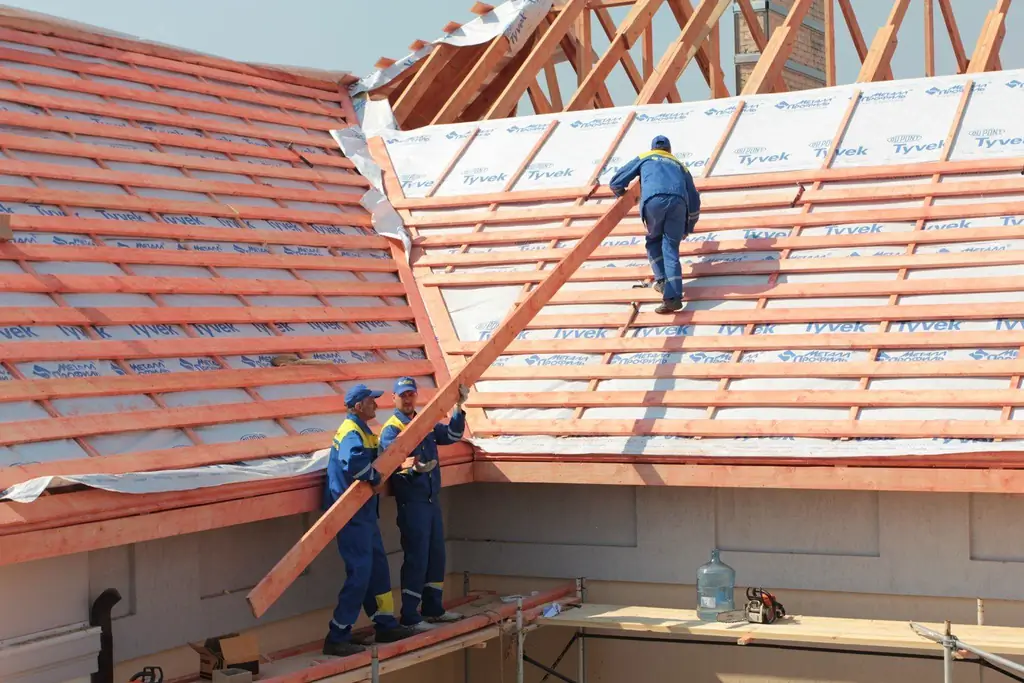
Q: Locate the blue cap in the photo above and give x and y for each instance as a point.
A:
(358, 393)
(661, 142)
(404, 384)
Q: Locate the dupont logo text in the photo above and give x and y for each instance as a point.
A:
(749, 156)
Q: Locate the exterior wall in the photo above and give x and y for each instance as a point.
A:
(808, 51)
(854, 554)
(181, 589)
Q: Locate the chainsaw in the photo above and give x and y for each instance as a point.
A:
(762, 608)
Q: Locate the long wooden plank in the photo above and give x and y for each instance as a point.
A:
(762, 342)
(18, 352)
(85, 150)
(819, 398)
(433, 63)
(484, 68)
(121, 228)
(782, 266)
(954, 35)
(44, 252)
(802, 630)
(167, 315)
(298, 558)
(33, 195)
(47, 389)
(822, 429)
(987, 368)
(193, 456)
(166, 182)
(877, 63)
(949, 479)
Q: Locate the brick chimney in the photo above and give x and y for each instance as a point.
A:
(805, 68)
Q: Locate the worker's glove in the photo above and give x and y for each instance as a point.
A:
(421, 467)
(463, 395)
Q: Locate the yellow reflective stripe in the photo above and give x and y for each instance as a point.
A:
(369, 440)
(393, 421)
(385, 603)
(663, 153)
(436, 586)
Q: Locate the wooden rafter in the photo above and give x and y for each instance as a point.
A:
(856, 35)
(571, 46)
(682, 50)
(954, 35)
(632, 27)
(773, 60)
(682, 10)
(986, 51)
(421, 83)
(537, 58)
(477, 110)
(830, 43)
(879, 57)
(497, 51)
(757, 33)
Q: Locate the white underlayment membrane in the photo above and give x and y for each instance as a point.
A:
(774, 133)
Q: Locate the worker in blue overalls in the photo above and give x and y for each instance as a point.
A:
(669, 207)
(417, 492)
(367, 577)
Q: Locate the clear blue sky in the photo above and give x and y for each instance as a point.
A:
(351, 35)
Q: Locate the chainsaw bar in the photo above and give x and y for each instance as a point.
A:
(732, 616)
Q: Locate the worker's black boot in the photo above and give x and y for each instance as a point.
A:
(342, 649)
(659, 286)
(669, 306)
(394, 634)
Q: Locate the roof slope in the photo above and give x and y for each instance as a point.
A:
(853, 287)
(178, 220)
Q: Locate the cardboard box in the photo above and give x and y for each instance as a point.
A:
(230, 651)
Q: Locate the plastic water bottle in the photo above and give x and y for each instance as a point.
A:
(715, 583)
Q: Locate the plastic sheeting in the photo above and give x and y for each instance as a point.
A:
(516, 19)
(892, 123)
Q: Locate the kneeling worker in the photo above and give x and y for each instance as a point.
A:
(367, 578)
(669, 207)
(418, 495)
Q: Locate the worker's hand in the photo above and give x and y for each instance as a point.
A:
(408, 463)
(424, 467)
(463, 395)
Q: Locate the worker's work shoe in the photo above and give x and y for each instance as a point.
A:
(659, 286)
(345, 649)
(669, 306)
(392, 635)
(422, 627)
(447, 618)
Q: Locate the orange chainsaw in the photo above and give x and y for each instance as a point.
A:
(762, 608)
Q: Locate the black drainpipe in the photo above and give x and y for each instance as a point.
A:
(99, 615)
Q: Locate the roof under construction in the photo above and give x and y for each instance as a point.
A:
(193, 272)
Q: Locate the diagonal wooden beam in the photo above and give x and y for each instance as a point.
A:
(447, 81)
(635, 23)
(570, 46)
(773, 59)
(986, 51)
(470, 87)
(539, 56)
(682, 50)
(856, 35)
(954, 35)
(482, 103)
(553, 90)
(636, 78)
(327, 527)
(682, 10)
(422, 81)
(883, 46)
(760, 39)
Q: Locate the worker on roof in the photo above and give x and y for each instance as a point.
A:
(417, 492)
(367, 577)
(669, 207)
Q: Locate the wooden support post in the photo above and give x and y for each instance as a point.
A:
(773, 60)
(761, 40)
(929, 38)
(830, 43)
(539, 56)
(879, 58)
(954, 35)
(859, 43)
(327, 527)
(986, 51)
(682, 50)
(635, 23)
(683, 10)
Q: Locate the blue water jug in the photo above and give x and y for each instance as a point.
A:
(715, 583)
